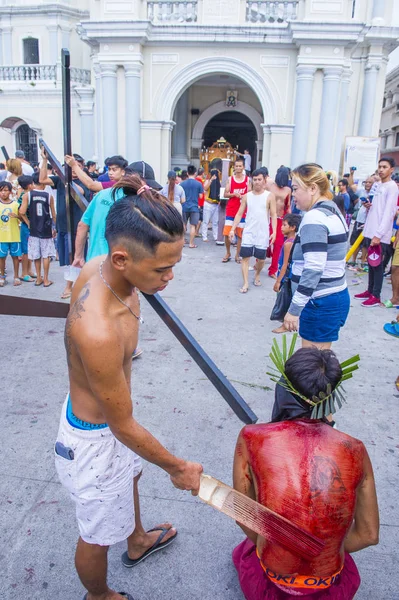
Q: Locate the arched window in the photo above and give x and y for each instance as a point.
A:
(31, 51)
(26, 140)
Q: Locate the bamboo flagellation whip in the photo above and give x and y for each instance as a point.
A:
(258, 518)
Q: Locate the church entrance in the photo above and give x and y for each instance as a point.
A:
(236, 128)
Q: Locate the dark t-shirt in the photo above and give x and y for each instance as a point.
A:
(62, 221)
(193, 189)
(39, 214)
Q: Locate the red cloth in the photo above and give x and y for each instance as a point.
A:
(233, 203)
(256, 585)
(277, 246)
(201, 197)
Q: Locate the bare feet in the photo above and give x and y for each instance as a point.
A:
(280, 329)
(139, 543)
(238, 260)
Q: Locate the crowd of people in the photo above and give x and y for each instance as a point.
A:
(131, 236)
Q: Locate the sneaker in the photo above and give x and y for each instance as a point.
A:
(364, 296)
(372, 301)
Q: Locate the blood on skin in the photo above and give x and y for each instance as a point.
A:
(308, 472)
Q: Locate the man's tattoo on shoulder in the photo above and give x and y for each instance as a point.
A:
(325, 477)
(74, 314)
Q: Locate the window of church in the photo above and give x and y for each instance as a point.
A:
(31, 51)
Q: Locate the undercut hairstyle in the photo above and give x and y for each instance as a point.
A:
(389, 160)
(257, 172)
(239, 160)
(191, 170)
(25, 181)
(293, 220)
(265, 171)
(282, 177)
(116, 161)
(344, 181)
(5, 184)
(142, 222)
(313, 174)
(310, 370)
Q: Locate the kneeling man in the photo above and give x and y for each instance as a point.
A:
(315, 476)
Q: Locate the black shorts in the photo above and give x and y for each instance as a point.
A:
(355, 234)
(248, 251)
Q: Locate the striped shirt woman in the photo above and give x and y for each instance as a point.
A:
(320, 302)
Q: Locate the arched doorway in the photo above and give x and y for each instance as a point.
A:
(236, 128)
(26, 140)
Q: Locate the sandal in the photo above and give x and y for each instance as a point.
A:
(66, 295)
(17, 282)
(124, 594)
(193, 246)
(3, 281)
(37, 283)
(129, 562)
(48, 284)
(243, 290)
(27, 279)
(238, 260)
(257, 283)
(226, 259)
(392, 329)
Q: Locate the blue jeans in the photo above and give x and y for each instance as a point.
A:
(322, 318)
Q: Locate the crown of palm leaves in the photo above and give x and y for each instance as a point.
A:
(325, 403)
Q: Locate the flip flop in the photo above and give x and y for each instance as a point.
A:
(37, 284)
(124, 594)
(392, 329)
(128, 562)
(243, 290)
(257, 283)
(226, 260)
(48, 284)
(17, 281)
(193, 246)
(238, 261)
(66, 296)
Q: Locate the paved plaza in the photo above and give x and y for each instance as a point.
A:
(174, 400)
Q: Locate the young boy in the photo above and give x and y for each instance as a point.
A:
(26, 183)
(289, 229)
(42, 228)
(10, 237)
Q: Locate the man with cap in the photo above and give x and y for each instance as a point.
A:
(26, 168)
(146, 172)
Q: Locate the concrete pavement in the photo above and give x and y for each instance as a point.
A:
(176, 403)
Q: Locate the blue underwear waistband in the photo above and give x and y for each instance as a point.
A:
(74, 421)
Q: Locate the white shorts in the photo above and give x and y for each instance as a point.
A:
(40, 248)
(100, 481)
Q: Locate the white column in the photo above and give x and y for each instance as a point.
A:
(53, 42)
(266, 145)
(133, 110)
(66, 35)
(179, 152)
(368, 99)
(7, 45)
(342, 109)
(259, 146)
(167, 127)
(378, 9)
(303, 104)
(328, 116)
(280, 147)
(98, 110)
(109, 108)
(86, 111)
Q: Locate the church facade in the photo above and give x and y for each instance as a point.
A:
(162, 80)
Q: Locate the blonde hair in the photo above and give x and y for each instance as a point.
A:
(312, 174)
(14, 166)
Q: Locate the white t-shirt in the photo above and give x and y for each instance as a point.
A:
(27, 169)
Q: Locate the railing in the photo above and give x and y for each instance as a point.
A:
(172, 11)
(271, 11)
(29, 73)
(33, 73)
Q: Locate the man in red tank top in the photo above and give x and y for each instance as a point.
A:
(315, 476)
(236, 187)
(280, 188)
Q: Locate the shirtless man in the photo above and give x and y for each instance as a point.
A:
(236, 187)
(314, 475)
(99, 442)
(282, 193)
(260, 208)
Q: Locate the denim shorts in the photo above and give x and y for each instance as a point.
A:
(322, 318)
